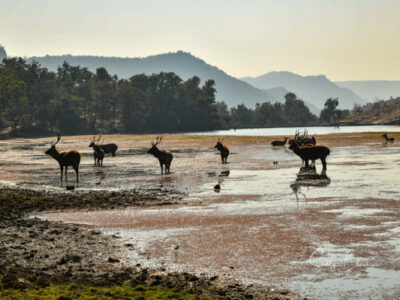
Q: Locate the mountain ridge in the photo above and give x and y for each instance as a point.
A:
(372, 90)
(315, 89)
(229, 89)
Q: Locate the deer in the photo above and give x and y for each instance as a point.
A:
(223, 150)
(107, 148)
(311, 153)
(65, 159)
(164, 156)
(303, 139)
(98, 152)
(388, 139)
(279, 143)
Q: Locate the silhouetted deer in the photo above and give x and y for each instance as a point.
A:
(65, 159)
(107, 148)
(164, 156)
(303, 139)
(311, 153)
(223, 150)
(98, 153)
(388, 139)
(279, 143)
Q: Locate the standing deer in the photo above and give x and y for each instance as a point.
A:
(164, 156)
(313, 153)
(223, 150)
(388, 139)
(303, 139)
(98, 152)
(107, 148)
(65, 159)
(279, 143)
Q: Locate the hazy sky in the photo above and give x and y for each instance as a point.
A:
(343, 39)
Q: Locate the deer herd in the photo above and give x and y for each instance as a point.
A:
(302, 145)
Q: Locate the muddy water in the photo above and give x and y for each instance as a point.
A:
(334, 236)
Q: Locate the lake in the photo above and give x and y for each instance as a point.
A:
(311, 130)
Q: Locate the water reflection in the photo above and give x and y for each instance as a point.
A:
(221, 177)
(309, 177)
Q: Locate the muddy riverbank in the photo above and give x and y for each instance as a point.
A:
(35, 253)
(269, 224)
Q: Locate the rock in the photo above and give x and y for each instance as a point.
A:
(113, 260)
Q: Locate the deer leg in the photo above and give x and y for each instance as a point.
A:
(61, 169)
(306, 162)
(161, 166)
(66, 169)
(323, 163)
(76, 168)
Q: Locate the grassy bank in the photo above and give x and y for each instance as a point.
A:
(75, 291)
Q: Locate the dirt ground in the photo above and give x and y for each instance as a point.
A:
(266, 226)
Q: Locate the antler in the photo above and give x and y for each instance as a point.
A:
(158, 140)
(58, 139)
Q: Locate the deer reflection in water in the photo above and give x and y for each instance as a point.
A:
(310, 178)
(221, 177)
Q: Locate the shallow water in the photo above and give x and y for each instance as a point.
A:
(311, 130)
(332, 238)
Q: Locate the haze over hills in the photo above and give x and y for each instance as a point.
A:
(229, 89)
(313, 89)
(278, 94)
(273, 86)
(373, 90)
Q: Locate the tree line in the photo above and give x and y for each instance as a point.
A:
(74, 100)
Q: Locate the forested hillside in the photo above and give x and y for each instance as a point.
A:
(229, 89)
(73, 100)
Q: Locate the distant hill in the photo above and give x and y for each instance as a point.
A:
(387, 115)
(229, 89)
(313, 89)
(278, 94)
(373, 90)
(3, 53)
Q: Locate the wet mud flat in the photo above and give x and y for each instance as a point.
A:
(35, 253)
(268, 225)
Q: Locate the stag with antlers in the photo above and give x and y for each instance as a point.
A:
(65, 159)
(107, 148)
(223, 150)
(98, 152)
(164, 156)
(309, 151)
(303, 140)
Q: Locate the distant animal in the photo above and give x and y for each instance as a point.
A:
(279, 143)
(65, 159)
(311, 153)
(164, 156)
(388, 139)
(98, 152)
(303, 139)
(107, 148)
(223, 150)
